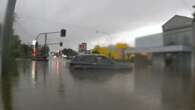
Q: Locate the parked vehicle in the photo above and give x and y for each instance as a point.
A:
(96, 62)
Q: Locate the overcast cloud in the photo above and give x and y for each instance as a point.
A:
(124, 20)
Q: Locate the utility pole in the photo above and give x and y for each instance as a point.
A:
(193, 59)
(45, 40)
(0, 49)
(7, 35)
(193, 43)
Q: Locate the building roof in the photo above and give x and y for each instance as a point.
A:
(174, 48)
(177, 22)
(154, 40)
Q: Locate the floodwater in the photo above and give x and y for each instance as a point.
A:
(52, 86)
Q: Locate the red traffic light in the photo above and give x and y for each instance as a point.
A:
(63, 33)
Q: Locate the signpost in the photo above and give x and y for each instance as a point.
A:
(83, 48)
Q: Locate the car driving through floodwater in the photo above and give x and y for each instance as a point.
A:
(96, 62)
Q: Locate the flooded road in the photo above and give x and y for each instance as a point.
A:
(52, 86)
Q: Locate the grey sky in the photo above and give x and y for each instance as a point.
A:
(123, 19)
(2, 9)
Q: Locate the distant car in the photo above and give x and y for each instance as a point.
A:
(40, 58)
(96, 62)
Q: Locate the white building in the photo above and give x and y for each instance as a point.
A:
(173, 46)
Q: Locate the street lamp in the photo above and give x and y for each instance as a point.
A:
(34, 42)
(34, 50)
(105, 33)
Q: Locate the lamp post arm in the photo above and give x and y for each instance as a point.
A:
(38, 36)
(46, 33)
(105, 33)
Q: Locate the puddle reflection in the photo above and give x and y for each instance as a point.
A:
(8, 82)
(34, 72)
(170, 87)
(51, 85)
(177, 88)
(95, 75)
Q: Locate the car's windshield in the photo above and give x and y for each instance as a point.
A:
(103, 60)
(97, 54)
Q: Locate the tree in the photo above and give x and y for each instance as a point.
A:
(69, 52)
(120, 51)
(26, 50)
(122, 46)
(95, 50)
(15, 46)
(0, 35)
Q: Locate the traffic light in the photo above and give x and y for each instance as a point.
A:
(36, 45)
(63, 33)
(61, 44)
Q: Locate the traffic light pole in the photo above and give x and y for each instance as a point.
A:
(63, 34)
(55, 43)
(45, 40)
(46, 33)
(35, 42)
